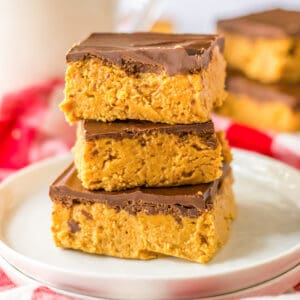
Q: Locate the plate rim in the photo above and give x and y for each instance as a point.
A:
(76, 294)
(8, 251)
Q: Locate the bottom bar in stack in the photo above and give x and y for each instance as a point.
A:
(191, 222)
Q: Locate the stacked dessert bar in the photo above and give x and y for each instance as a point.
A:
(150, 177)
(263, 49)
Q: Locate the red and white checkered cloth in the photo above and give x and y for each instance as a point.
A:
(32, 128)
(282, 146)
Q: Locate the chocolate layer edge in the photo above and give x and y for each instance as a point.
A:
(149, 52)
(185, 201)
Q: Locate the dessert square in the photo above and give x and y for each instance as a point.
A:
(266, 106)
(121, 155)
(167, 78)
(190, 222)
(265, 46)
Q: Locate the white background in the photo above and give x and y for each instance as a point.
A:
(200, 15)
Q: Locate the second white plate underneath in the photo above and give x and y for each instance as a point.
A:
(275, 286)
(265, 239)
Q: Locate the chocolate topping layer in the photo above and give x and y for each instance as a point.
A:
(281, 92)
(190, 201)
(276, 23)
(94, 130)
(149, 52)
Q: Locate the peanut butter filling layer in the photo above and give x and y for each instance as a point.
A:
(150, 157)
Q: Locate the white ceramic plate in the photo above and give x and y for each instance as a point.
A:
(264, 243)
(272, 287)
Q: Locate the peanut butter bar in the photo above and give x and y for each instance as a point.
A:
(266, 106)
(190, 222)
(121, 155)
(264, 46)
(167, 78)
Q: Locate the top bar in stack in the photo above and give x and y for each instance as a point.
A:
(264, 46)
(167, 78)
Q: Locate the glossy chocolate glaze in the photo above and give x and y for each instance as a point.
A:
(275, 23)
(190, 201)
(117, 130)
(149, 52)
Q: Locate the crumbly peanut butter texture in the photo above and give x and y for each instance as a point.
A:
(97, 228)
(273, 115)
(158, 159)
(265, 59)
(99, 91)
